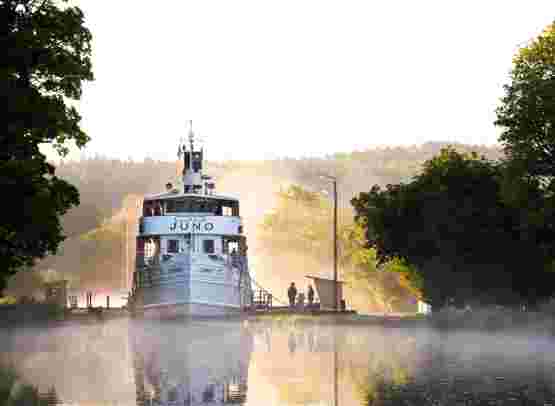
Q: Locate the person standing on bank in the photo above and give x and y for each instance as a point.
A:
(310, 297)
(300, 301)
(292, 293)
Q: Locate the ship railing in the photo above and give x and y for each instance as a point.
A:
(262, 300)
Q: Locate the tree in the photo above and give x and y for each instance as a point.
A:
(527, 112)
(453, 226)
(527, 118)
(300, 226)
(46, 59)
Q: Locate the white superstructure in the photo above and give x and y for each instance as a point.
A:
(191, 251)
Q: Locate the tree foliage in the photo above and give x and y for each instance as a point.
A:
(47, 56)
(527, 118)
(452, 224)
(527, 112)
(302, 223)
(13, 392)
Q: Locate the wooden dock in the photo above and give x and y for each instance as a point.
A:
(288, 310)
(263, 303)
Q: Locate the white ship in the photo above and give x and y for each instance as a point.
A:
(191, 251)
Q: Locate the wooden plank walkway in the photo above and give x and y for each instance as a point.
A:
(293, 310)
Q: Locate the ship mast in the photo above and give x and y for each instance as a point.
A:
(192, 168)
(191, 136)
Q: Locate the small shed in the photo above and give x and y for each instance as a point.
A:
(325, 290)
(56, 292)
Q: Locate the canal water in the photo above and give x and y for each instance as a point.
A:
(124, 362)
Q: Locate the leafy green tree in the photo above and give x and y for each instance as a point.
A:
(527, 118)
(46, 58)
(527, 112)
(453, 226)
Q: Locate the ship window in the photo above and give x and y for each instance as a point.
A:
(170, 206)
(186, 245)
(172, 395)
(157, 211)
(197, 161)
(140, 246)
(177, 206)
(208, 395)
(230, 246)
(208, 246)
(151, 247)
(152, 209)
(211, 207)
(180, 206)
(173, 246)
(196, 207)
(229, 208)
(147, 209)
(191, 206)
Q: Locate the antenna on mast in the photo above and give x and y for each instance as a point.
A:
(192, 170)
(191, 135)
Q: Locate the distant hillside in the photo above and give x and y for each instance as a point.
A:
(94, 252)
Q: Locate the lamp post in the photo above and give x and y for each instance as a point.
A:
(334, 180)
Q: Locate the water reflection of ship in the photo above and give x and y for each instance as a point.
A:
(197, 363)
(306, 339)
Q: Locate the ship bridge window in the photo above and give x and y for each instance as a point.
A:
(191, 206)
(229, 208)
(147, 209)
(170, 206)
(152, 208)
(177, 206)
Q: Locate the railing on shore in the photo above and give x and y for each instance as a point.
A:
(262, 300)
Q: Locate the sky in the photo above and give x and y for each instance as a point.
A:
(265, 79)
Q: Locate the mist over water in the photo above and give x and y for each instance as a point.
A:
(127, 362)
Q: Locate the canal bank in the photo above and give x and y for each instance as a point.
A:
(483, 320)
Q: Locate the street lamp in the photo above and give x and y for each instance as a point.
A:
(334, 180)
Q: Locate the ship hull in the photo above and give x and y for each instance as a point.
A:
(189, 310)
(191, 287)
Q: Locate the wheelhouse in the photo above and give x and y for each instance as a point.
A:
(191, 205)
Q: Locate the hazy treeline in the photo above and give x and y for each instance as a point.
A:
(104, 182)
(92, 255)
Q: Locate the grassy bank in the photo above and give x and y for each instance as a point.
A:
(409, 319)
(11, 314)
(15, 392)
(486, 319)
(491, 319)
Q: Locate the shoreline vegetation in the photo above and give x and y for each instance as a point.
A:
(21, 315)
(14, 391)
(486, 319)
(492, 319)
